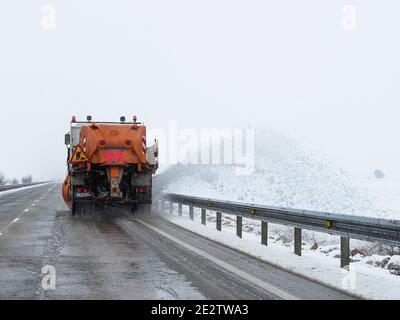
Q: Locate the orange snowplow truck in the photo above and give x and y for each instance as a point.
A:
(109, 163)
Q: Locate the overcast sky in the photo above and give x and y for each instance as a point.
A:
(325, 71)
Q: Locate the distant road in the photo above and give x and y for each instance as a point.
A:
(113, 254)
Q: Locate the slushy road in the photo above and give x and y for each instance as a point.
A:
(113, 254)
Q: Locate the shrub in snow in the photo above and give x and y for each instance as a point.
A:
(382, 263)
(285, 238)
(378, 261)
(3, 179)
(357, 251)
(27, 179)
(394, 265)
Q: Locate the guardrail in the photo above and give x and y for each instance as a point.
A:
(346, 226)
(17, 186)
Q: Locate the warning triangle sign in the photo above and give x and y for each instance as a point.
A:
(78, 156)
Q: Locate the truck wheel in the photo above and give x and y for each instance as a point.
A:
(134, 208)
(73, 203)
(74, 208)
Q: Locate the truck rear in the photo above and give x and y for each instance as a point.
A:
(109, 163)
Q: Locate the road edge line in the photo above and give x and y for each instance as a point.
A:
(299, 274)
(238, 272)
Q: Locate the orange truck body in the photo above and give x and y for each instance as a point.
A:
(109, 163)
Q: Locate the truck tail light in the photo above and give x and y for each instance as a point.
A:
(82, 190)
(114, 190)
(141, 190)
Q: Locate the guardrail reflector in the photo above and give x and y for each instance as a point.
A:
(328, 224)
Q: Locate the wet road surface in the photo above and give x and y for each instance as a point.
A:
(112, 254)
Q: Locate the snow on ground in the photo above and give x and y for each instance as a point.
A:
(3, 193)
(287, 174)
(385, 194)
(363, 280)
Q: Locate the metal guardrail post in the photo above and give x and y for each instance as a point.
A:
(264, 233)
(191, 213)
(180, 209)
(219, 221)
(239, 223)
(297, 241)
(345, 253)
(203, 216)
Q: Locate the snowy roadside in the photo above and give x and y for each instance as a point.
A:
(3, 193)
(363, 280)
(288, 174)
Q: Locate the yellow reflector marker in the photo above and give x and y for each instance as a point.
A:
(328, 224)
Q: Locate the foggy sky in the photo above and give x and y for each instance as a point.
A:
(287, 65)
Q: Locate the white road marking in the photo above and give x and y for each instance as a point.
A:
(243, 274)
(1, 234)
(17, 219)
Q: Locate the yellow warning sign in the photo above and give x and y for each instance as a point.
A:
(79, 156)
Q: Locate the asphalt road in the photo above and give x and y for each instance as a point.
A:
(113, 254)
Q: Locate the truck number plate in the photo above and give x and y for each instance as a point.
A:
(82, 195)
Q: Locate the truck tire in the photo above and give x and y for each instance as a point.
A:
(73, 203)
(134, 208)
(74, 207)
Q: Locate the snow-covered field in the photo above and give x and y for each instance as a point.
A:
(3, 193)
(385, 195)
(287, 174)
